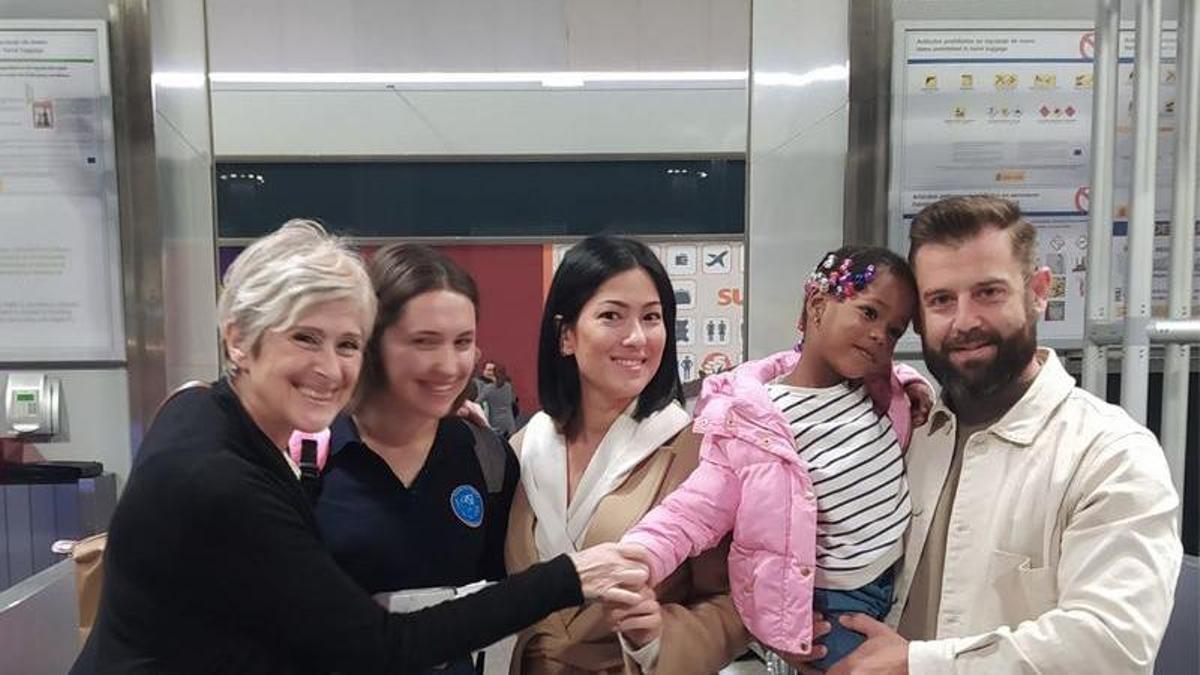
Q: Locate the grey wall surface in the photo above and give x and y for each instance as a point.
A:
(799, 117)
(473, 35)
(415, 36)
(183, 145)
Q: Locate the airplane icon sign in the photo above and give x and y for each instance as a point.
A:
(718, 259)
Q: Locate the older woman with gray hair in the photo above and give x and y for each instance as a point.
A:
(214, 561)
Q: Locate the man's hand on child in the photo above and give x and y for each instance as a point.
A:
(883, 653)
(800, 662)
(920, 399)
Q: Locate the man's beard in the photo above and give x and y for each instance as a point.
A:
(983, 380)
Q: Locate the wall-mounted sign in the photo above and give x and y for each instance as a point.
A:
(1005, 108)
(707, 278)
(60, 284)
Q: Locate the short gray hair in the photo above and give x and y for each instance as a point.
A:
(282, 275)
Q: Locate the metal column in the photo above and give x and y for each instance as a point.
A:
(1183, 219)
(1135, 368)
(141, 236)
(1098, 301)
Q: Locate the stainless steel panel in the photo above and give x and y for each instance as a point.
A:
(866, 199)
(39, 623)
(183, 149)
(141, 238)
(796, 168)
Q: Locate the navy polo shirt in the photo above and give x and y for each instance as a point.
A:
(443, 530)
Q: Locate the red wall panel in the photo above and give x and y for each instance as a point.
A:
(510, 292)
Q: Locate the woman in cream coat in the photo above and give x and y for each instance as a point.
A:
(610, 443)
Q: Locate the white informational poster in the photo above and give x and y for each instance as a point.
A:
(709, 300)
(59, 257)
(1159, 287)
(1005, 109)
(1062, 247)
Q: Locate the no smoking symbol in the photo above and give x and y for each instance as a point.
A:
(1087, 45)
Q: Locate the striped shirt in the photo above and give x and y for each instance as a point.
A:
(857, 468)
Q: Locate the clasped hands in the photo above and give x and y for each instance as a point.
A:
(618, 575)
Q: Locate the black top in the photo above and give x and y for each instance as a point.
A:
(214, 564)
(445, 529)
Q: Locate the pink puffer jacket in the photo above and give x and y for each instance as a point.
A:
(752, 481)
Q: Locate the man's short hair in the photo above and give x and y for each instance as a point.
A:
(955, 220)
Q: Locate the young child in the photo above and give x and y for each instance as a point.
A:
(802, 461)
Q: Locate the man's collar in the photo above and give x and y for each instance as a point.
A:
(1022, 422)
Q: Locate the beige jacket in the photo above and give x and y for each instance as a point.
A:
(701, 629)
(1063, 547)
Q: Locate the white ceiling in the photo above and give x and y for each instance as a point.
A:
(478, 35)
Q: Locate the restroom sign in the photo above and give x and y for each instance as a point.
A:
(687, 367)
(717, 331)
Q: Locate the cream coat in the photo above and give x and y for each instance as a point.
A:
(1063, 546)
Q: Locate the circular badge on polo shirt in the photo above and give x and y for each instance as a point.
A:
(467, 504)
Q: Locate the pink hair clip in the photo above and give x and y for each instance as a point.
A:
(837, 280)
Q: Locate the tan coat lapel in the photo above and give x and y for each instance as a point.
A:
(621, 509)
(582, 629)
(520, 549)
(617, 512)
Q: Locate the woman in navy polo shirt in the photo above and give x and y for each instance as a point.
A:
(412, 496)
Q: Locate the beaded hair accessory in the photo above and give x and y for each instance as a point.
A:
(837, 280)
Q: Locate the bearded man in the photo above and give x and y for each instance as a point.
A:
(1045, 534)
